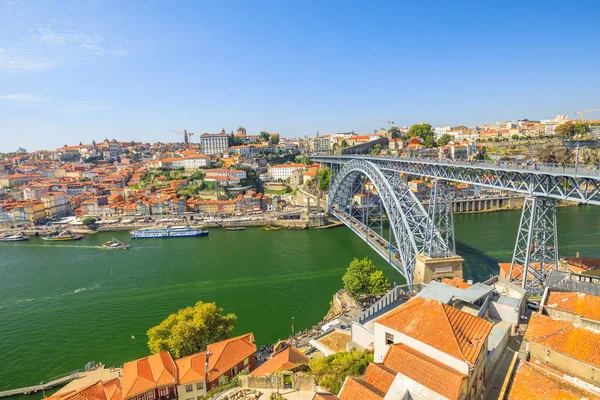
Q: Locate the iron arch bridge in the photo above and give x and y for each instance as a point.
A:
(369, 196)
(379, 207)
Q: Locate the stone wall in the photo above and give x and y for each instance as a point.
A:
(568, 364)
(300, 381)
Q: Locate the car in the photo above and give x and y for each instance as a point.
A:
(533, 305)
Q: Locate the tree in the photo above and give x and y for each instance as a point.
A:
(581, 128)
(275, 140)
(344, 143)
(89, 221)
(565, 130)
(444, 139)
(395, 132)
(264, 135)
(324, 177)
(378, 283)
(191, 329)
(515, 137)
(424, 132)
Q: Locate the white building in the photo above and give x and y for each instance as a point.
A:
(188, 163)
(214, 143)
(284, 171)
(441, 131)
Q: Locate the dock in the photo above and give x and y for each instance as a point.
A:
(42, 386)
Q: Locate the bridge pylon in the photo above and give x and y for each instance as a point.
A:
(442, 221)
(536, 250)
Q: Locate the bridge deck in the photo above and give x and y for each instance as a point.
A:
(569, 182)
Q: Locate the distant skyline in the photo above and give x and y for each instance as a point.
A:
(75, 71)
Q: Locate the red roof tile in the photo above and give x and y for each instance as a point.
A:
(224, 355)
(191, 368)
(358, 389)
(585, 305)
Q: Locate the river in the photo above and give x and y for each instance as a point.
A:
(64, 304)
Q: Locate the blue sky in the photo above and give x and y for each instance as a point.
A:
(76, 71)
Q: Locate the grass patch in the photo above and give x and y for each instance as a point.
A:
(330, 372)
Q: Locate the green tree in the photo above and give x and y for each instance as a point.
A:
(378, 283)
(265, 136)
(344, 143)
(190, 330)
(395, 132)
(515, 137)
(89, 221)
(323, 179)
(330, 372)
(424, 132)
(444, 139)
(357, 277)
(565, 130)
(275, 140)
(581, 128)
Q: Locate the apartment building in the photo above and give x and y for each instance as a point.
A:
(284, 171)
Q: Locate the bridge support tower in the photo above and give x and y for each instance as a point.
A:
(536, 250)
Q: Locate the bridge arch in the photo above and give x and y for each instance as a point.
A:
(408, 220)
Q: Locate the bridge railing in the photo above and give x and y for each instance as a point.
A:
(536, 167)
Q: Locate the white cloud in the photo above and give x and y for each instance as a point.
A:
(23, 98)
(9, 59)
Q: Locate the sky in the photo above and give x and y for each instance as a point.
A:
(75, 71)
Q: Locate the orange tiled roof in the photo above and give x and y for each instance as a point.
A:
(191, 368)
(563, 337)
(456, 282)
(444, 327)
(107, 390)
(585, 305)
(325, 396)
(226, 354)
(532, 382)
(284, 360)
(425, 370)
(356, 388)
(380, 376)
(147, 373)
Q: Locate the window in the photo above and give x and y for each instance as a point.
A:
(200, 385)
(246, 361)
(162, 392)
(233, 371)
(189, 388)
(389, 338)
(150, 395)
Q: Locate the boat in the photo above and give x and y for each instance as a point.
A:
(62, 236)
(272, 228)
(115, 244)
(167, 232)
(17, 237)
(234, 228)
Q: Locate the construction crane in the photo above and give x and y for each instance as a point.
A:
(582, 112)
(186, 135)
(388, 122)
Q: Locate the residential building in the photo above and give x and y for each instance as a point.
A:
(56, 205)
(100, 390)
(213, 144)
(150, 378)
(441, 337)
(191, 376)
(230, 357)
(284, 360)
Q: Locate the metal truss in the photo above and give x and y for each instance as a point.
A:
(581, 185)
(536, 248)
(442, 222)
(381, 192)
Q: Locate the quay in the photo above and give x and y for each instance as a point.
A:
(42, 386)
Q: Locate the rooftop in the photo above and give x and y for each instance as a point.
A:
(446, 328)
(533, 382)
(425, 370)
(585, 305)
(226, 354)
(564, 337)
(285, 359)
(191, 368)
(147, 373)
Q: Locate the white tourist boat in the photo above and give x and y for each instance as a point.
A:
(167, 232)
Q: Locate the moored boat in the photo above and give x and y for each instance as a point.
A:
(272, 228)
(167, 232)
(234, 228)
(115, 244)
(63, 236)
(16, 237)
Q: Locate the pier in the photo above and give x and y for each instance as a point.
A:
(42, 386)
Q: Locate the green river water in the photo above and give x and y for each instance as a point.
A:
(64, 304)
